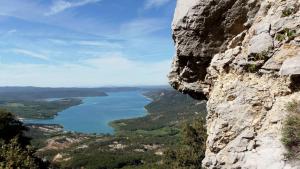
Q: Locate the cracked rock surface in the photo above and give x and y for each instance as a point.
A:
(243, 56)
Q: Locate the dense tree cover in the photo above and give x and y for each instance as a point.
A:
(15, 150)
(191, 152)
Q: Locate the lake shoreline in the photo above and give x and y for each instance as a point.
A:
(115, 106)
(116, 127)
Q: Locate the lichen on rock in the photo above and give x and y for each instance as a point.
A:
(243, 57)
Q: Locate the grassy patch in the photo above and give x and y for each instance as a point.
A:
(288, 11)
(252, 68)
(286, 34)
(291, 131)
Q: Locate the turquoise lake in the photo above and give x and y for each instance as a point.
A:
(95, 113)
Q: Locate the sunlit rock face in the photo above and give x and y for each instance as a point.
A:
(243, 56)
(201, 29)
(291, 66)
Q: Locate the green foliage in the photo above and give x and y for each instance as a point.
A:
(280, 37)
(99, 154)
(286, 34)
(15, 152)
(161, 127)
(252, 68)
(107, 160)
(290, 33)
(14, 156)
(261, 56)
(191, 152)
(11, 128)
(287, 12)
(292, 106)
(39, 109)
(167, 109)
(148, 166)
(291, 131)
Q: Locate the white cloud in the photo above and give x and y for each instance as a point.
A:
(20, 8)
(101, 71)
(103, 44)
(8, 32)
(91, 43)
(62, 5)
(142, 26)
(31, 54)
(155, 3)
(12, 31)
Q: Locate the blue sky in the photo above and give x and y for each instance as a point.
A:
(85, 42)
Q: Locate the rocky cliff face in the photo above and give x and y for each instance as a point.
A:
(244, 57)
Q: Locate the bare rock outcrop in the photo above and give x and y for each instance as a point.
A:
(243, 56)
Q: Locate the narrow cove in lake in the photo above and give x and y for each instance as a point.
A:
(95, 113)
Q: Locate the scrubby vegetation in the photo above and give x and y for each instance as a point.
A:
(252, 68)
(191, 151)
(288, 11)
(291, 131)
(15, 151)
(261, 56)
(286, 35)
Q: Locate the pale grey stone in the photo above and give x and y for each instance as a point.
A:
(214, 41)
(291, 66)
(260, 43)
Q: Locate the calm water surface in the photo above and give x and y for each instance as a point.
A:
(95, 113)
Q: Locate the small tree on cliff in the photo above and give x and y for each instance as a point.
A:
(191, 152)
(11, 128)
(15, 149)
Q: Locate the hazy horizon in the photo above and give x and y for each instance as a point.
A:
(109, 86)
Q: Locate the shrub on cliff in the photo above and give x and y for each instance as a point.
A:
(291, 131)
(15, 150)
(13, 155)
(10, 128)
(191, 152)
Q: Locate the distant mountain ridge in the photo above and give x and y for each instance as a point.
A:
(35, 93)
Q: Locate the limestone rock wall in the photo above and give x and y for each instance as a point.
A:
(243, 56)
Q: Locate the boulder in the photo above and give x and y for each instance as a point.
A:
(291, 66)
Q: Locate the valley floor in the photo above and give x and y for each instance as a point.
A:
(137, 143)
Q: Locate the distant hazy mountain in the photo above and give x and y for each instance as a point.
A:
(33, 93)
